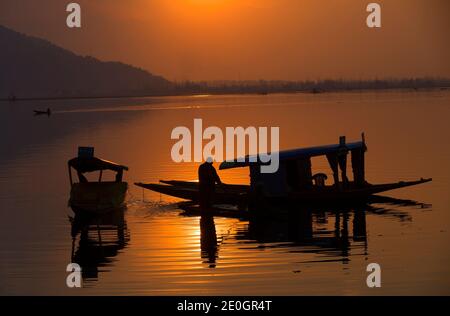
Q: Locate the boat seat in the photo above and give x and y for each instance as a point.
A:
(319, 179)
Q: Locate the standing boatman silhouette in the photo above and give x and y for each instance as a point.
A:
(207, 177)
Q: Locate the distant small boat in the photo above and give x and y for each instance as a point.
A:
(40, 112)
(100, 196)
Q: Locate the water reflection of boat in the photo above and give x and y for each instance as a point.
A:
(208, 241)
(100, 196)
(294, 182)
(331, 233)
(101, 239)
(307, 231)
(335, 233)
(380, 205)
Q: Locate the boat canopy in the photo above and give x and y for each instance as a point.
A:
(90, 164)
(295, 154)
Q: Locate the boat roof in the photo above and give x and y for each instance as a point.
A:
(90, 164)
(295, 154)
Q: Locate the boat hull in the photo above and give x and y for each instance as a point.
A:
(239, 194)
(189, 191)
(97, 197)
(351, 193)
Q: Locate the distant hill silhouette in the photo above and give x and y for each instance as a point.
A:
(34, 68)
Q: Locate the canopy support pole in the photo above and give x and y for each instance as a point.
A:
(333, 161)
(70, 175)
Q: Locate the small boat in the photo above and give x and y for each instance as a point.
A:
(294, 182)
(99, 196)
(40, 112)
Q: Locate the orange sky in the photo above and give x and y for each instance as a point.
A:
(249, 39)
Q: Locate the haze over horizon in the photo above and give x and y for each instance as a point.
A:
(249, 39)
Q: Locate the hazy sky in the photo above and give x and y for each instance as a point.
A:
(249, 39)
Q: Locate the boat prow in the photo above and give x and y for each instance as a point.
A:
(225, 194)
(378, 188)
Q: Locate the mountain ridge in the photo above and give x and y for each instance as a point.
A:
(32, 67)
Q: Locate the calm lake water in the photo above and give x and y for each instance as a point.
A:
(159, 252)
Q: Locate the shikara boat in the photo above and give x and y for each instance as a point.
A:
(294, 182)
(99, 196)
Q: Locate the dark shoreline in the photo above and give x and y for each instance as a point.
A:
(215, 93)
